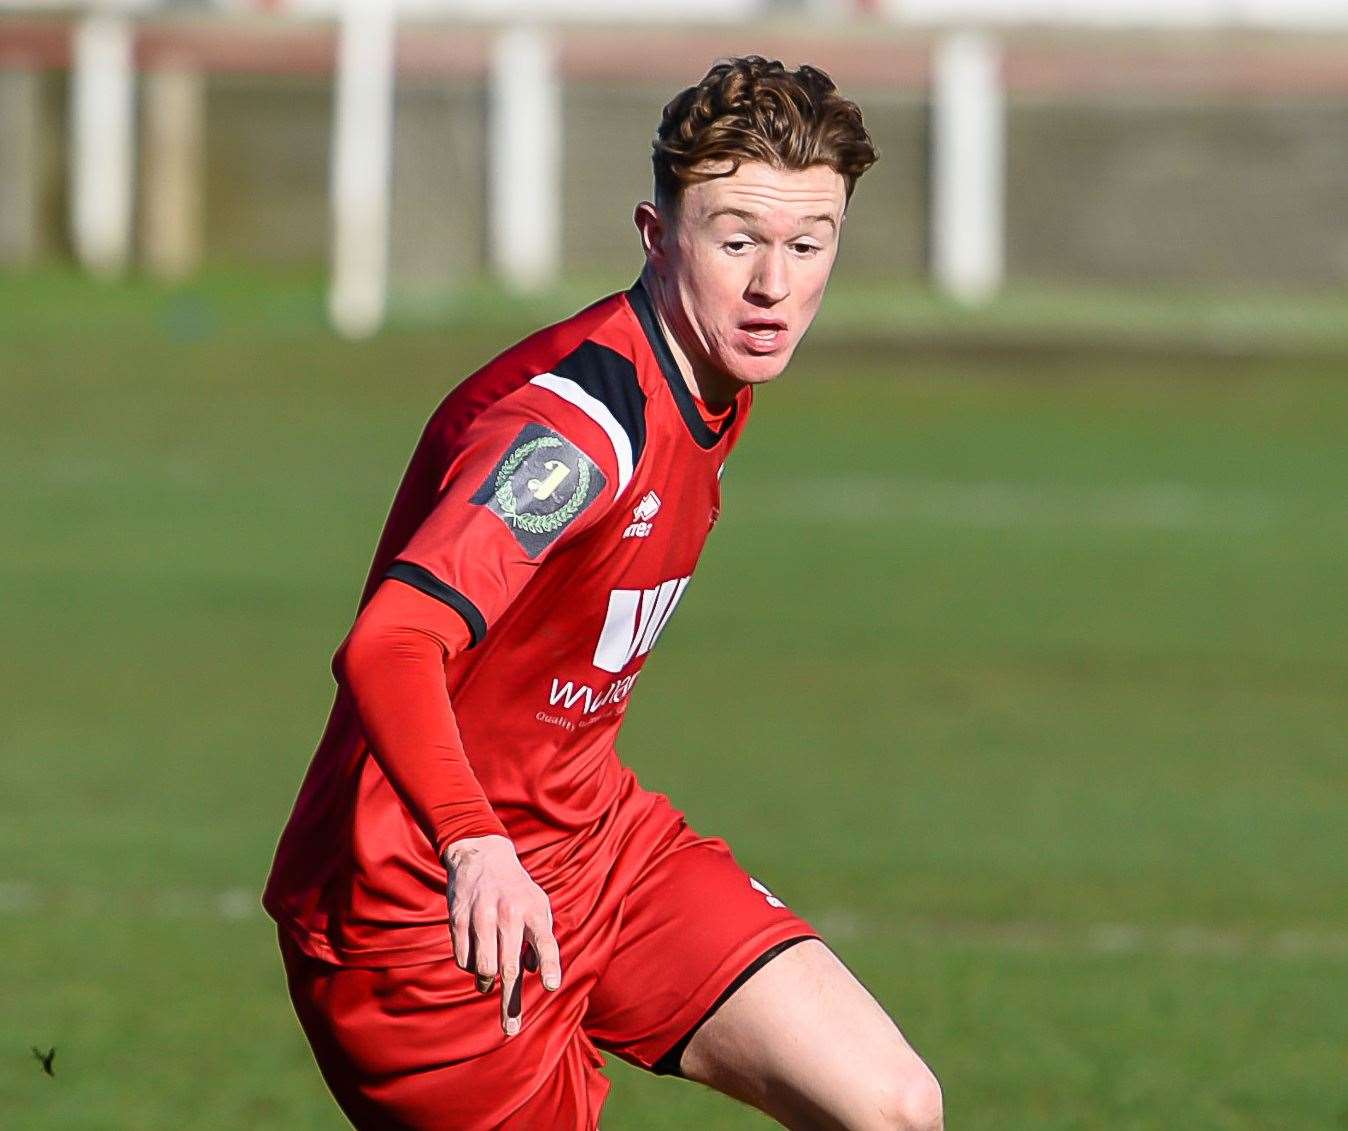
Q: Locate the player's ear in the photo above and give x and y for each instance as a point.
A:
(654, 232)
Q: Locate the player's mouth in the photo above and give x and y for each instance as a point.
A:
(763, 335)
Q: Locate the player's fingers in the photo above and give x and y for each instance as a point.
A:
(483, 984)
(549, 957)
(511, 936)
(512, 1006)
(485, 956)
(459, 933)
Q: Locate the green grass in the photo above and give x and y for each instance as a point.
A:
(1020, 672)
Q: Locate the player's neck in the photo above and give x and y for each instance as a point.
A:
(715, 389)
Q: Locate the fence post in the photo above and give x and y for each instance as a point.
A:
(102, 141)
(20, 163)
(524, 160)
(172, 167)
(968, 168)
(361, 167)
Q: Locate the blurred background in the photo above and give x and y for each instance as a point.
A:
(1021, 637)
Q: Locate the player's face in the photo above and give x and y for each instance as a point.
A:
(744, 266)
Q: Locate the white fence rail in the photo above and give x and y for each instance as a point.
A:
(524, 160)
(102, 143)
(361, 168)
(968, 164)
(966, 74)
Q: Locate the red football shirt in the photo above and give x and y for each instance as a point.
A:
(558, 501)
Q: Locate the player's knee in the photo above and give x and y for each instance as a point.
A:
(911, 1101)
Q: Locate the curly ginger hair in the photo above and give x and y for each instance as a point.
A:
(754, 109)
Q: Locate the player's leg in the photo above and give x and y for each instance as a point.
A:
(715, 978)
(416, 1048)
(802, 1040)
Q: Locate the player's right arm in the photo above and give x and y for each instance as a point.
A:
(393, 667)
(521, 483)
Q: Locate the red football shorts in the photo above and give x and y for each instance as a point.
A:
(678, 929)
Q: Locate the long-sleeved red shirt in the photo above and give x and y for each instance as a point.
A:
(393, 667)
(543, 535)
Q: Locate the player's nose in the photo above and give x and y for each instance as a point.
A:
(769, 283)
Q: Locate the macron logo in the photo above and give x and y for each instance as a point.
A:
(642, 514)
(635, 619)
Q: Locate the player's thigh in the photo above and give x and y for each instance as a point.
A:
(416, 1047)
(805, 1042)
(693, 925)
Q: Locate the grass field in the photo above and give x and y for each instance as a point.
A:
(1020, 672)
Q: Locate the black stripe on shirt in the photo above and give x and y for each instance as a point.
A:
(432, 586)
(610, 378)
(702, 432)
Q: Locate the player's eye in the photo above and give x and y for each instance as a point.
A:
(805, 248)
(737, 247)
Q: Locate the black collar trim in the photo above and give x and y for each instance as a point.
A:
(701, 431)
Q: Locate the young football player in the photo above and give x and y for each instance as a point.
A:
(474, 895)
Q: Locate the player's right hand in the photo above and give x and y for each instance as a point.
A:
(500, 920)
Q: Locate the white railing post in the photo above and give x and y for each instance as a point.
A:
(524, 160)
(968, 168)
(361, 167)
(102, 142)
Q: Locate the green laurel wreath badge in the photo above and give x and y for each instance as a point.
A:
(539, 523)
(567, 479)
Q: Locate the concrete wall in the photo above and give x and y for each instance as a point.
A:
(1109, 189)
(267, 151)
(43, 175)
(1194, 191)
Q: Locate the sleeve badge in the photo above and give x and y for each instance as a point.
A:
(539, 487)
